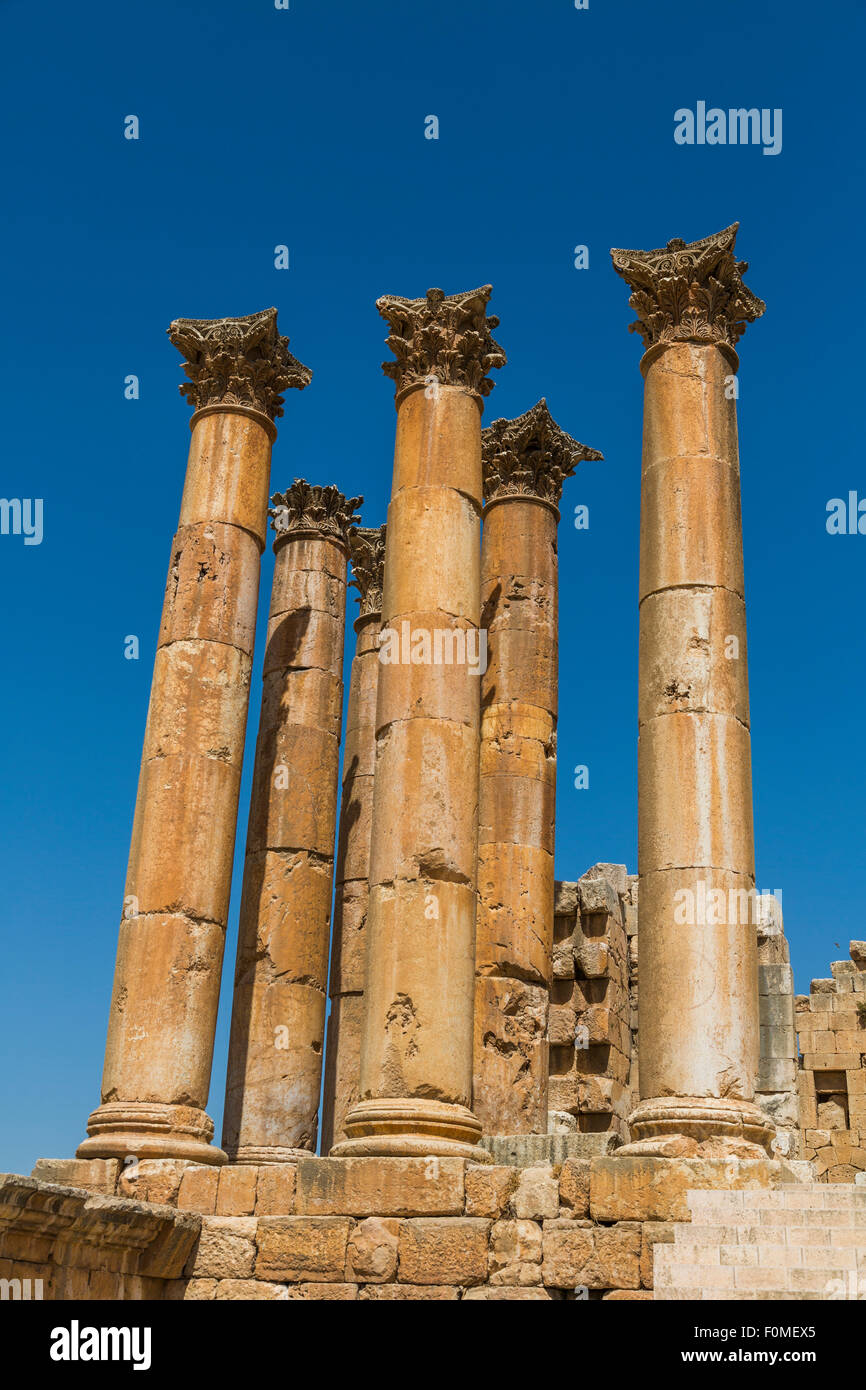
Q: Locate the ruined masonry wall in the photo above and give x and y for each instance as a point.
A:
(831, 1022)
(592, 1080)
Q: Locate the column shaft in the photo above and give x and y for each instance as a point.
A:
(278, 1016)
(698, 988)
(169, 959)
(698, 992)
(416, 1052)
(343, 1059)
(348, 950)
(516, 816)
(525, 463)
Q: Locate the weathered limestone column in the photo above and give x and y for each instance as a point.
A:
(166, 984)
(698, 987)
(278, 1015)
(416, 1054)
(525, 463)
(343, 1054)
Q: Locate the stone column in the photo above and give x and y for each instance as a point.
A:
(278, 1015)
(416, 1054)
(525, 463)
(698, 987)
(167, 979)
(343, 1054)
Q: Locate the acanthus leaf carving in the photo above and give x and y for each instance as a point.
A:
(367, 553)
(530, 456)
(442, 338)
(237, 361)
(306, 507)
(689, 292)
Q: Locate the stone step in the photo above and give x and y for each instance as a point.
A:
(815, 1200)
(805, 1241)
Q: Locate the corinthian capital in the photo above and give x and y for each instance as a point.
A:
(529, 456)
(240, 361)
(444, 337)
(367, 552)
(306, 507)
(692, 293)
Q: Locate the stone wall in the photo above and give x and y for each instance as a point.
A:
(831, 1022)
(589, 1029)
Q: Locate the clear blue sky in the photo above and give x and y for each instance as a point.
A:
(260, 127)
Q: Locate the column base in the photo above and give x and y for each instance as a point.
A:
(411, 1128)
(122, 1129)
(691, 1126)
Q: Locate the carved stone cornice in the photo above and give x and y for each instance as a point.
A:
(306, 507)
(689, 293)
(446, 337)
(240, 362)
(529, 456)
(367, 553)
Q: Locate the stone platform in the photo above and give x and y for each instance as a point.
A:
(367, 1228)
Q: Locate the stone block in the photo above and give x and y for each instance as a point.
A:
(198, 1189)
(515, 1253)
(275, 1194)
(153, 1180)
(302, 1248)
(380, 1186)
(777, 1073)
(565, 899)
(372, 1250)
(488, 1189)
(196, 1290)
(598, 895)
(322, 1292)
(562, 961)
(777, 1040)
(410, 1293)
(615, 874)
(776, 979)
(579, 1254)
(574, 1189)
(537, 1194)
(444, 1250)
(562, 1025)
(777, 1010)
(591, 957)
(250, 1291)
(236, 1194)
(509, 1295)
(831, 1061)
(654, 1189)
(92, 1174)
(226, 1248)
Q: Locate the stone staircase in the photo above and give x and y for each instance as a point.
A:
(804, 1241)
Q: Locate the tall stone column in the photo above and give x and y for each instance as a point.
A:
(167, 978)
(525, 463)
(416, 1054)
(278, 1014)
(697, 972)
(343, 1054)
